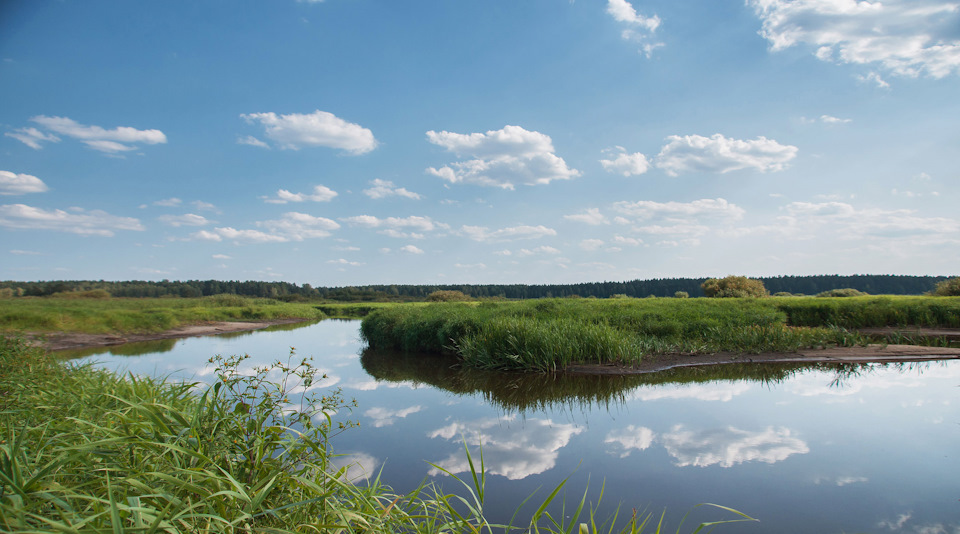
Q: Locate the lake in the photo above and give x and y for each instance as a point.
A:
(867, 448)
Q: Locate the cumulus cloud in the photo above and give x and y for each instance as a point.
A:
(729, 446)
(119, 139)
(386, 188)
(639, 28)
(20, 184)
(321, 193)
(291, 226)
(591, 244)
(905, 37)
(681, 212)
(320, 128)
(75, 220)
(171, 202)
(538, 250)
(623, 163)
(592, 217)
(482, 233)
(695, 153)
(501, 158)
(343, 261)
(401, 227)
(188, 219)
(410, 249)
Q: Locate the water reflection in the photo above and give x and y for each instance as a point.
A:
(512, 448)
(729, 446)
(139, 348)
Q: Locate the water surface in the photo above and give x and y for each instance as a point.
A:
(870, 448)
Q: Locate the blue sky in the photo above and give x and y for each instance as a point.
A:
(350, 142)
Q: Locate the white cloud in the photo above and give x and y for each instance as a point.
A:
(729, 446)
(833, 120)
(639, 28)
(205, 206)
(875, 79)
(847, 222)
(252, 141)
(386, 188)
(482, 233)
(398, 227)
(905, 37)
(631, 438)
(359, 466)
(321, 193)
(634, 242)
(320, 128)
(410, 249)
(718, 154)
(24, 252)
(32, 137)
(75, 221)
(514, 453)
(626, 164)
(681, 212)
(120, 139)
(539, 250)
(188, 219)
(470, 266)
(502, 158)
(591, 217)
(291, 226)
(171, 202)
(221, 257)
(342, 261)
(20, 184)
(591, 244)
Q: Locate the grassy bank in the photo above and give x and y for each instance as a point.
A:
(550, 334)
(133, 315)
(84, 450)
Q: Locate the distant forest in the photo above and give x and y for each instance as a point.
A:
(660, 287)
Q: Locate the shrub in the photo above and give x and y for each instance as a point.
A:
(783, 294)
(846, 292)
(948, 288)
(734, 286)
(447, 296)
(681, 295)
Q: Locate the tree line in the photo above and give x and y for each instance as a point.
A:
(658, 287)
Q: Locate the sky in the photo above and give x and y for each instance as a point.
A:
(349, 142)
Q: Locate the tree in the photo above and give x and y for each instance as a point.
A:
(447, 296)
(948, 288)
(734, 286)
(681, 295)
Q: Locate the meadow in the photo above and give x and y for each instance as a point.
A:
(550, 334)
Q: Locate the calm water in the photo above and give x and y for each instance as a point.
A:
(859, 449)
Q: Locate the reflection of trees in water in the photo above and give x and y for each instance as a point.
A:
(138, 348)
(531, 392)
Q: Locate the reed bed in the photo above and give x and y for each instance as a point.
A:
(86, 451)
(547, 335)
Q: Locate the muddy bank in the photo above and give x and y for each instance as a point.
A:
(75, 340)
(868, 354)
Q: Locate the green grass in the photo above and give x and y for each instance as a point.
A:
(123, 315)
(548, 334)
(84, 450)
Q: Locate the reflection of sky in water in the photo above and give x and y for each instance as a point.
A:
(868, 451)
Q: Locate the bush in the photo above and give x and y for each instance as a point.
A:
(734, 286)
(681, 295)
(948, 288)
(783, 294)
(846, 292)
(447, 296)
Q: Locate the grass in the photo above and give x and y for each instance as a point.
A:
(549, 334)
(128, 315)
(86, 451)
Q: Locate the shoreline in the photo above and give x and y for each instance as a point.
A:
(55, 341)
(870, 354)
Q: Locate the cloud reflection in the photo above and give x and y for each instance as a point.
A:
(730, 446)
(719, 391)
(632, 437)
(512, 452)
(385, 417)
(360, 466)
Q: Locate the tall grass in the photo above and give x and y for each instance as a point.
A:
(122, 315)
(86, 451)
(550, 334)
